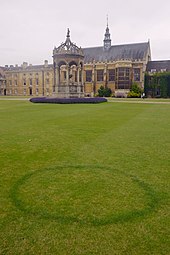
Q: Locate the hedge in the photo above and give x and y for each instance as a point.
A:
(84, 100)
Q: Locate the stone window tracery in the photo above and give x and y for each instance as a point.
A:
(99, 75)
(136, 74)
(112, 75)
(88, 76)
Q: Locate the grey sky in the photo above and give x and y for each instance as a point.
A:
(31, 28)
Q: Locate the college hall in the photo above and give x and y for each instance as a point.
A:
(80, 72)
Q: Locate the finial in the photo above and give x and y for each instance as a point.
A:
(107, 20)
(68, 32)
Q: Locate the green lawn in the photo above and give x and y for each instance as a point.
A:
(84, 179)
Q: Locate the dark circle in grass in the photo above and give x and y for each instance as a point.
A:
(71, 194)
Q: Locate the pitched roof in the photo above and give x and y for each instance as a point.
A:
(158, 66)
(134, 51)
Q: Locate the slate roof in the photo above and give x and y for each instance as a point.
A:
(158, 65)
(134, 51)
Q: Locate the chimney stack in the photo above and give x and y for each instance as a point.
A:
(46, 63)
(25, 64)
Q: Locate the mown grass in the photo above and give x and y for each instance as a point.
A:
(84, 179)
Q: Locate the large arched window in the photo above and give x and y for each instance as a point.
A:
(123, 75)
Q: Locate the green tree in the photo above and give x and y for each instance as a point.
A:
(101, 91)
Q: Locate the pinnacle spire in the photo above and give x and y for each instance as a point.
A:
(68, 32)
(107, 40)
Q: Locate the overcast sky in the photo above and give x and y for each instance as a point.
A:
(29, 29)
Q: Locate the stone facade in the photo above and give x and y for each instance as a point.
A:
(77, 72)
(28, 80)
(2, 82)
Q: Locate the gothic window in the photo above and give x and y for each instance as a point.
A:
(136, 74)
(37, 81)
(99, 75)
(65, 75)
(123, 78)
(75, 76)
(112, 75)
(16, 83)
(30, 82)
(24, 82)
(88, 76)
(79, 76)
(10, 83)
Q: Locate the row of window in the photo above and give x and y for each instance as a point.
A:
(30, 92)
(47, 81)
(122, 74)
(31, 74)
(155, 70)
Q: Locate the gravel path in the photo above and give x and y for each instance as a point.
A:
(137, 102)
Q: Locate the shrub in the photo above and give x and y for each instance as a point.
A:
(104, 92)
(135, 91)
(133, 94)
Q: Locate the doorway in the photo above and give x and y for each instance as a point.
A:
(30, 91)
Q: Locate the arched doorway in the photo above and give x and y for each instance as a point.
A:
(30, 90)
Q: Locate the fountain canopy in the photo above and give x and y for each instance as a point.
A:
(68, 48)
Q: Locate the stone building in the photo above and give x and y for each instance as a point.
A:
(157, 79)
(158, 66)
(79, 72)
(29, 80)
(2, 82)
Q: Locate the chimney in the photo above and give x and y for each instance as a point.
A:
(46, 63)
(25, 64)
